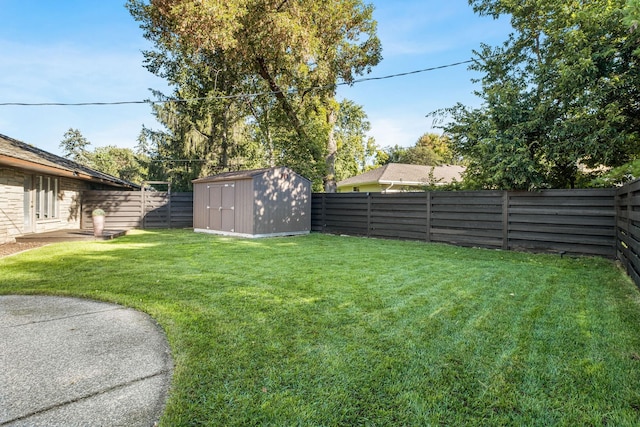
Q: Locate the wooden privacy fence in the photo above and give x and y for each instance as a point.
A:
(628, 229)
(138, 209)
(602, 222)
(579, 222)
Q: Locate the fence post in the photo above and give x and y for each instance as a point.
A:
(428, 216)
(368, 214)
(323, 216)
(505, 220)
(143, 206)
(169, 209)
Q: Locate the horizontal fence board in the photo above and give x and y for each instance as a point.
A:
(553, 238)
(398, 234)
(630, 242)
(466, 240)
(469, 232)
(563, 220)
(130, 209)
(628, 199)
(566, 202)
(421, 214)
(467, 216)
(602, 211)
(553, 220)
(562, 229)
(572, 249)
(492, 209)
(398, 226)
(632, 187)
(634, 215)
(492, 225)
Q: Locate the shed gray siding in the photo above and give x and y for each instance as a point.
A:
(243, 209)
(266, 202)
(282, 203)
(200, 201)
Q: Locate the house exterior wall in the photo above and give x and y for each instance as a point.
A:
(70, 204)
(367, 188)
(381, 188)
(12, 205)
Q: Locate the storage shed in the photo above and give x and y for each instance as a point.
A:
(253, 203)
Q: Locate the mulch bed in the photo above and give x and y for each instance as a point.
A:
(7, 249)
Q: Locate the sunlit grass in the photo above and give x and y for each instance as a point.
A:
(327, 330)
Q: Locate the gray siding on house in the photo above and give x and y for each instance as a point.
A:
(263, 202)
(15, 222)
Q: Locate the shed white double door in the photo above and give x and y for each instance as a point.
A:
(221, 207)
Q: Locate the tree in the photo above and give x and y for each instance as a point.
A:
(440, 145)
(564, 89)
(74, 146)
(120, 162)
(395, 154)
(632, 15)
(430, 149)
(355, 150)
(296, 51)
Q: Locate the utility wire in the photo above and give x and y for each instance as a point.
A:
(247, 95)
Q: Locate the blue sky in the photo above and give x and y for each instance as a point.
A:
(74, 51)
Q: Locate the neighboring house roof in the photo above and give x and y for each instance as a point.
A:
(406, 175)
(244, 174)
(21, 155)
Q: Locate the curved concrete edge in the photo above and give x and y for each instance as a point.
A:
(68, 361)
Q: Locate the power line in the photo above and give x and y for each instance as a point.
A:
(244, 95)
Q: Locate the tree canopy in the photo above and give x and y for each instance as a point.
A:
(561, 92)
(123, 163)
(288, 54)
(430, 149)
(75, 146)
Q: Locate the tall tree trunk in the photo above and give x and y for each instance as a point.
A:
(224, 155)
(332, 151)
(266, 134)
(282, 99)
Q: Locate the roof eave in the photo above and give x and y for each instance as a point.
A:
(36, 167)
(402, 182)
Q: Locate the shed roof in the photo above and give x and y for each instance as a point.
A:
(21, 155)
(406, 174)
(244, 174)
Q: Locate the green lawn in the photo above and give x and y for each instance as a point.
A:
(327, 330)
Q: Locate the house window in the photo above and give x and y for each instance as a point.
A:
(356, 189)
(46, 197)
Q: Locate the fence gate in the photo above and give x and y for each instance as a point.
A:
(156, 206)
